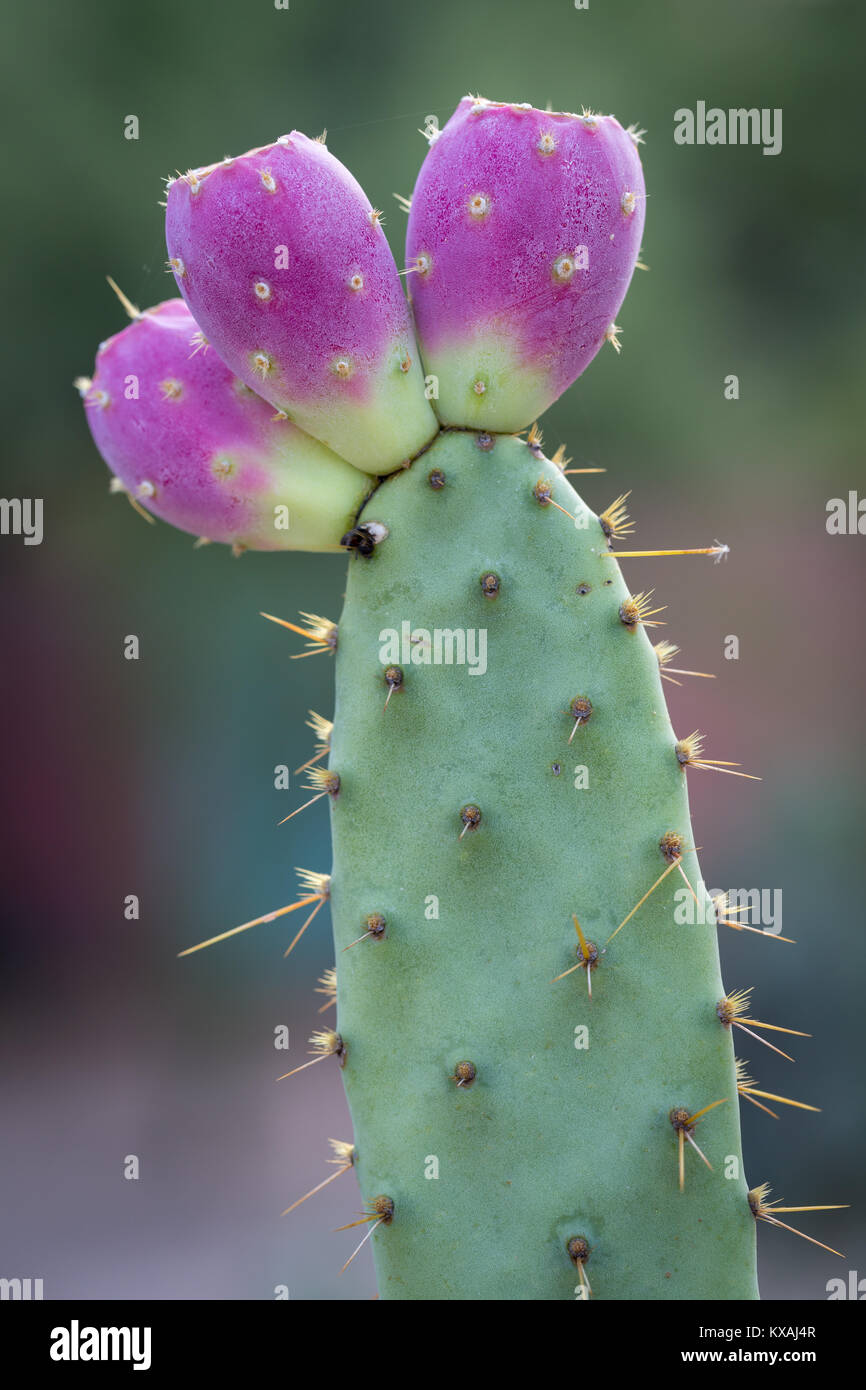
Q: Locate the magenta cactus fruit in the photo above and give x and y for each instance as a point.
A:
(195, 446)
(524, 230)
(286, 267)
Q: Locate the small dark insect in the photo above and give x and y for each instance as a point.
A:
(359, 539)
(364, 538)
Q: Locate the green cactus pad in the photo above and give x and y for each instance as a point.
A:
(560, 1133)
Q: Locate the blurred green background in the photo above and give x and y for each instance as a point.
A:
(156, 777)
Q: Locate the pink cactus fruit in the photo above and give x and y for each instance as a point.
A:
(523, 234)
(286, 267)
(195, 446)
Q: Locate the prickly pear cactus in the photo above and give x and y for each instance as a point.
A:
(538, 1058)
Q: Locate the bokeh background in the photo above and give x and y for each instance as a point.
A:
(155, 777)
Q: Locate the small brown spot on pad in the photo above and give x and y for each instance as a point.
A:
(464, 1074)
